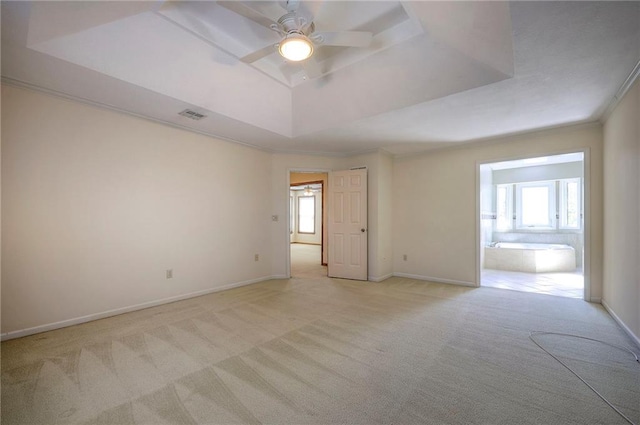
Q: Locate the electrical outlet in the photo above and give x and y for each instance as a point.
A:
(404, 257)
(169, 273)
(257, 257)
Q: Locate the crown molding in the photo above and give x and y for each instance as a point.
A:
(624, 88)
(22, 84)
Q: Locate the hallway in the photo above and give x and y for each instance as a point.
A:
(306, 261)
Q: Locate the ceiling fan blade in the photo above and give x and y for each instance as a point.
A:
(249, 13)
(258, 54)
(312, 68)
(344, 38)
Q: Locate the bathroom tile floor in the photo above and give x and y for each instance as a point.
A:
(569, 285)
(305, 262)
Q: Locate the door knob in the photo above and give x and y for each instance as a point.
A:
(362, 230)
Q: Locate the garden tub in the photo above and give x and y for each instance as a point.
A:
(530, 257)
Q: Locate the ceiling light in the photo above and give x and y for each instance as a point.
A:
(295, 47)
(308, 191)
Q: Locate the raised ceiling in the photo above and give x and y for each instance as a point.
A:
(435, 74)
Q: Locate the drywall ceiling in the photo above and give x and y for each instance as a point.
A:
(435, 74)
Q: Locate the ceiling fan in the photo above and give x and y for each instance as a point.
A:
(309, 191)
(297, 31)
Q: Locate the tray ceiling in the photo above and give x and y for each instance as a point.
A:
(436, 73)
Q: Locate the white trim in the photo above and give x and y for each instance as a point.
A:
(596, 300)
(435, 279)
(478, 223)
(115, 312)
(586, 223)
(633, 336)
(380, 278)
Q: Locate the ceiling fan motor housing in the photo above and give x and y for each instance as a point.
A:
(291, 22)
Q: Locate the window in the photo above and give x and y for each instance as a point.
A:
(504, 207)
(570, 204)
(536, 205)
(543, 205)
(306, 214)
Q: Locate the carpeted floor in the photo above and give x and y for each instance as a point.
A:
(306, 261)
(314, 350)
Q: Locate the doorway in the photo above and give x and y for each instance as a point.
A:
(307, 224)
(532, 225)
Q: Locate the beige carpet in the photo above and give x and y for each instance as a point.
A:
(323, 351)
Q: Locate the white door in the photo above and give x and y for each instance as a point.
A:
(348, 224)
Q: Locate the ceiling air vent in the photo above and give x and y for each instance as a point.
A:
(192, 114)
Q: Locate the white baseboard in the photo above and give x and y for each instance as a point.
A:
(633, 336)
(596, 300)
(436, 279)
(117, 311)
(380, 278)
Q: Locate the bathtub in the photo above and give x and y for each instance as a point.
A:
(530, 257)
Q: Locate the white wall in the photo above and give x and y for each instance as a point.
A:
(622, 211)
(96, 205)
(384, 262)
(434, 197)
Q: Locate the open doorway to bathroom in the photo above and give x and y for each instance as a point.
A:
(307, 224)
(532, 226)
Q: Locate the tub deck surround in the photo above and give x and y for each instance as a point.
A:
(530, 257)
(574, 239)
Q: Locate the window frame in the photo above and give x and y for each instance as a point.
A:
(292, 215)
(558, 205)
(563, 201)
(509, 207)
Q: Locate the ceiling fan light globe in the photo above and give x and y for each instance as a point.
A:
(295, 47)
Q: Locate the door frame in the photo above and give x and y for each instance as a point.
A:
(586, 170)
(286, 229)
(322, 206)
